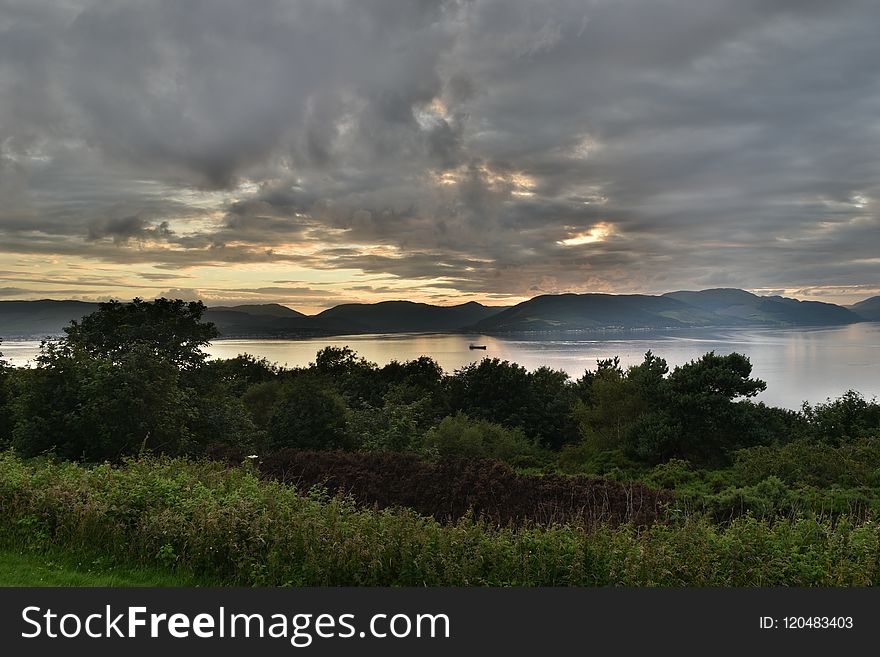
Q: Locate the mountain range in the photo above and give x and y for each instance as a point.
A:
(715, 308)
(704, 308)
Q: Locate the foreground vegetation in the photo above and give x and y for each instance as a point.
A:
(236, 528)
(125, 444)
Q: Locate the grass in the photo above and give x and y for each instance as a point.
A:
(26, 568)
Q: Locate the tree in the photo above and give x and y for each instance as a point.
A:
(844, 419)
(168, 329)
(260, 401)
(494, 390)
(310, 417)
(5, 401)
(614, 404)
(341, 361)
(91, 408)
(398, 426)
(358, 380)
(240, 373)
(616, 400)
(423, 372)
(648, 378)
(550, 420)
(129, 378)
(539, 402)
(701, 413)
(716, 377)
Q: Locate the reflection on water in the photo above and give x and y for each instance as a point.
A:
(798, 364)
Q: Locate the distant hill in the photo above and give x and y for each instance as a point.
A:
(383, 317)
(567, 312)
(744, 306)
(725, 301)
(705, 308)
(405, 316)
(868, 309)
(268, 320)
(39, 319)
(238, 324)
(263, 309)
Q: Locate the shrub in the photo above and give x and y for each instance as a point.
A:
(846, 418)
(856, 463)
(460, 435)
(451, 488)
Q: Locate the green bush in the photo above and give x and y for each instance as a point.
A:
(844, 419)
(852, 464)
(460, 435)
(582, 458)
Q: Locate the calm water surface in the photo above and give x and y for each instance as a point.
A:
(798, 364)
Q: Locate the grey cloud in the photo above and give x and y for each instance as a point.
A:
(123, 229)
(151, 276)
(14, 291)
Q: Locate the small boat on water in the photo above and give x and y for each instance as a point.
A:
(477, 346)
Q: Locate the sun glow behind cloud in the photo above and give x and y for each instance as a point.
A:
(597, 233)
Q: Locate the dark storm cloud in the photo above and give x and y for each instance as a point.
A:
(471, 146)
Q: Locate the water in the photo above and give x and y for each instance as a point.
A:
(797, 364)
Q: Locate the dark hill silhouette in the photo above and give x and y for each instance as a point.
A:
(404, 316)
(39, 319)
(567, 312)
(261, 309)
(740, 305)
(268, 320)
(868, 309)
(234, 323)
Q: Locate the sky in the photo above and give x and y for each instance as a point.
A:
(319, 152)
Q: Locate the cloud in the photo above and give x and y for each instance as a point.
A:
(458, 147)
(124, 229)
(13, 291)
(184, 293)
(152, 276)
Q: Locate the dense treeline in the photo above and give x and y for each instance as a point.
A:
(132, 379)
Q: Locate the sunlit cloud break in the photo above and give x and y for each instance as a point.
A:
(597, 233)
